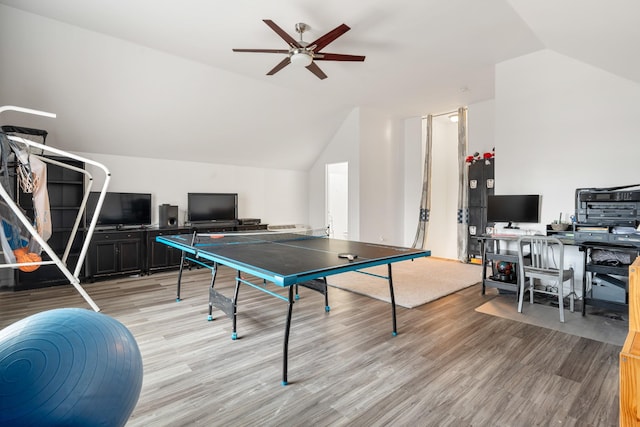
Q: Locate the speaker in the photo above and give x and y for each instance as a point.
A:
(168, 216)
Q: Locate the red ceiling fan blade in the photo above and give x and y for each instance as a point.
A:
(262, 50)
(283, 34)
(329, 37)
(286, 61)
(316, 70)
(336, 57)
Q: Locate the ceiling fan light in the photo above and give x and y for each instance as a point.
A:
(301, 59)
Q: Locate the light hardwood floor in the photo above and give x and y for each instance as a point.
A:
(449, 365)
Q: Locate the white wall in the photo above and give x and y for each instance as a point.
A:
(275, 196)
(561, 125)
(412, 175)
(373, 145)
(481, 130)
(381, 177)
(343, 147)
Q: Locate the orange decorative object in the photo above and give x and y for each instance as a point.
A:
(23, 256)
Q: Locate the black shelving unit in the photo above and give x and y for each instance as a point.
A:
(615, 276)
(494, 251)
(65, 189)
(480, 186)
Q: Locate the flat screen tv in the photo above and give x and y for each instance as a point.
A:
(513, 208)
(121, 209)
(212, 207)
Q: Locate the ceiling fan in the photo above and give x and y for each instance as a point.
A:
(303, 53)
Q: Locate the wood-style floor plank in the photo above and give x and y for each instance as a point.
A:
(449, 365)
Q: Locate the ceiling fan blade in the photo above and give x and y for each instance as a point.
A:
(286, 61)
(282, 33)
(336, 57)
(329, 37)
(316, 70)
(263, 50)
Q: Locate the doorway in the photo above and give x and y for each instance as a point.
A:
(337, 199)
(443, 224)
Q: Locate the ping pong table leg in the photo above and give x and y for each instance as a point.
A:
(214, 272)
(318, 285)
(327, 308)
(234, 333)
(180, 277)
(393, 302)
(286, 337)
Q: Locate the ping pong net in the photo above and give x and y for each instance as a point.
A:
(254, 237)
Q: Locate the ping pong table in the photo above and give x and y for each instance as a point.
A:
(287, 260)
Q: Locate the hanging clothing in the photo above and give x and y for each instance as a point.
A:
(32, 178)
(42, 210)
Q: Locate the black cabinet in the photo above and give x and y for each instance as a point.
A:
(160, 256)
(609, 281)
(115, 252)
(65, 190)
(479, 187)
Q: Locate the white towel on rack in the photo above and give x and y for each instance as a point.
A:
(40, 202)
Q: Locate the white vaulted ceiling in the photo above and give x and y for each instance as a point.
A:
(176, 79)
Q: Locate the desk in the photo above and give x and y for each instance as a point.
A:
(285, 260)
(492, 250)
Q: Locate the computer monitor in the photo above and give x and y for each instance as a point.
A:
(513, 208)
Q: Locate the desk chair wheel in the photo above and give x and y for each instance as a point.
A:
(234, 336)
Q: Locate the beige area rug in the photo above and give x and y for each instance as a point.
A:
(596, 325)
(414, 282)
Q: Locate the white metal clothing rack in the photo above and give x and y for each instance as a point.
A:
(61, 263)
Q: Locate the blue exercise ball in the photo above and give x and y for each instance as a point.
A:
(68, 366)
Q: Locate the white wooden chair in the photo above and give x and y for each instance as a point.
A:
(541, 273)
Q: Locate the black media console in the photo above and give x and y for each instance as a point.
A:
(114, 252)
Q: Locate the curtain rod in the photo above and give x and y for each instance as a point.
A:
(444, 114)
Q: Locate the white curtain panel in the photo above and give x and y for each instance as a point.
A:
(463, 203)
(425, 199)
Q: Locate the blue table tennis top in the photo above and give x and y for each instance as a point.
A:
(288, 259)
